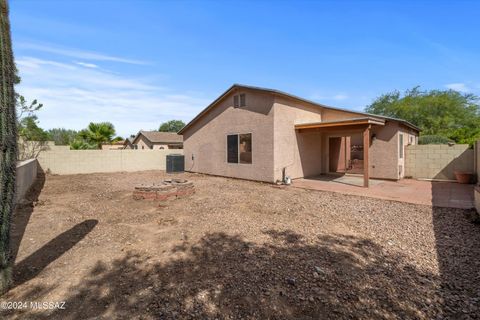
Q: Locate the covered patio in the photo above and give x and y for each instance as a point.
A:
(440, 194)
(348, 143)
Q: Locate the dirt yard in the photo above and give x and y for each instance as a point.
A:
(237, 250)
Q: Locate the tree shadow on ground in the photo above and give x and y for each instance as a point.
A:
(287, 277)
(32, 265)
(457, 236)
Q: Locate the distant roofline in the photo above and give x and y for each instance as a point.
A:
(288, 95)
(141, 132)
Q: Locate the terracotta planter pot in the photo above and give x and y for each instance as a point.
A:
(463, 177)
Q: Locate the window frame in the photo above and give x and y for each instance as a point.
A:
(242, 96)
(401, 147)
(238, 148)
(238, 99)
(227, 149)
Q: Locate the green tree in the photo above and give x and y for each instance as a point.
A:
(28, 129)
(171, 126)
(81, 145)
(98, 133)
(24, 109)
(61, 136)
(32, 139)
(446, 113)
(8, 144)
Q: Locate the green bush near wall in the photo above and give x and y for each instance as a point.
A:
(433, 139)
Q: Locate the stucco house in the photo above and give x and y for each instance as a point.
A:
(263, 134)
(156, 140)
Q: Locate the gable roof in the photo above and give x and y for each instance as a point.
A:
(160, 137)
(291, 96)
(127, 141)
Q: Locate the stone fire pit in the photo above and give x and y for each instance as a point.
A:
(167, 189)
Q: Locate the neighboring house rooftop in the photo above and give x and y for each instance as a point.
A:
(160, 137)
(291, 96)
(128, 141)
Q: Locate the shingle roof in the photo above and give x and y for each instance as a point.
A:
(281, 93)
(161, 137)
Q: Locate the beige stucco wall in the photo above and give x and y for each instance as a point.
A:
(143, 143)
(332, 115)
(383, 153)
(206, 140)
(437, 161)
(91, 161)
(26, 176)
(299, 153)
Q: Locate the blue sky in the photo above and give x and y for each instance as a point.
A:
(139, 63)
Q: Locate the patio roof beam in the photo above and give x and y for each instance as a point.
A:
(344, 129)
(346, 123)
(366, 147)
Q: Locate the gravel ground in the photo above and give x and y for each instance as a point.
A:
(238, 250)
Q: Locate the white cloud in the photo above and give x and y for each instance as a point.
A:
(74, 53)
(87, 65)
(74, 95)
(461, 87)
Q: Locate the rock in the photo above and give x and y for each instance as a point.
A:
(318, 270)
(291, 281)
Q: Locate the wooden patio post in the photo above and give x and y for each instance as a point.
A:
(366, 146)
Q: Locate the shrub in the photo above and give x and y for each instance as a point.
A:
(433, 139)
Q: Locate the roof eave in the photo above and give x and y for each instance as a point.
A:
(341, 123)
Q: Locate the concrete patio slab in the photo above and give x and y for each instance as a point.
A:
(439, 194)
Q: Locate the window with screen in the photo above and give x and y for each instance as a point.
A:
(232, 148)
(239, 148)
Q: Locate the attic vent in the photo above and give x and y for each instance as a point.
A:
(243, 103)
(239, 100)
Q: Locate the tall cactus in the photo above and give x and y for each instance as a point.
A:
(8, 144)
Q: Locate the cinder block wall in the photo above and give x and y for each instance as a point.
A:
(477, 159)
(477, 166)
(26, 176)
(437, 161)
(92, 161)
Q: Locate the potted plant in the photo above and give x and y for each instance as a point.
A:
(463, 177)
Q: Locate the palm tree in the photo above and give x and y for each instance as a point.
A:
(98, 133)
(8, 144)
